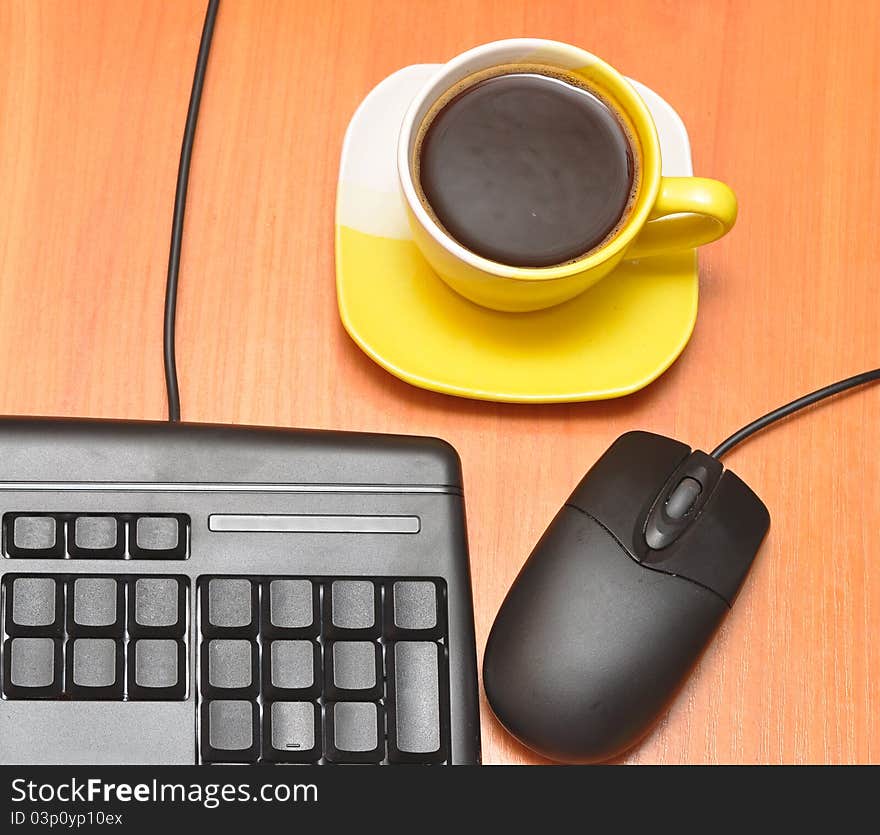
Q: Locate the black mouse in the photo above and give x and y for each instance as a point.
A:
(620, 597)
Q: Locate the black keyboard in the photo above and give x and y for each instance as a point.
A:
(186, 593)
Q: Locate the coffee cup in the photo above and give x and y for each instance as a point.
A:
(493, 267)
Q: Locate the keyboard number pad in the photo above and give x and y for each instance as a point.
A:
(326, 670)
(107, 637)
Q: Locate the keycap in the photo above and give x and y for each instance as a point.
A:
(33, 601)
(293, 664)
(353, 604)
(230, 664)
(155, 663)
(156, 601)
(231, 725)
(229, 603)
(290, 604)
(355, 726)
(157, 533)
(348, 670)
(94, 601)
(94, 662)
(32, 662)
(354, 665)
(97, 533)
(415, 604)
(417, 697)
(93, 646)
(293, 726)
(38, 535)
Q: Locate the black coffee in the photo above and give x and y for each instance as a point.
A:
(526, 169)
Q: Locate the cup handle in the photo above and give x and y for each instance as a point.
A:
(689, 212)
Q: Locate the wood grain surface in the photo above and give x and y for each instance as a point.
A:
(781, 101)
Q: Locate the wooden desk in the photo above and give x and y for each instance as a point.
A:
(781, 104)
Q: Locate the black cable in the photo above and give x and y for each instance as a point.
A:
(189, 133)
(795, 406)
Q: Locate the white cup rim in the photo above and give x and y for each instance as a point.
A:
(412, 121)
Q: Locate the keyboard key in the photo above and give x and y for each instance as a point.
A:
(291, 604)
(416, 697)
(158, 607)
(94, 662)
(95, 601)
(230, 603)
(33, 601)
(293, 665)
(415, 604)
(83, 652)
(355, 666)
(345, 670)
(353, 604)
(230, 664)
(33, 663)
(231, 725)
(157, 533)
(35, 536)
(158, 537)
(97, 536)
(156, 663)
(156, 602)
(294, 730)
(354, 730)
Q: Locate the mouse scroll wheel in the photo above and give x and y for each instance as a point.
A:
(682, 498)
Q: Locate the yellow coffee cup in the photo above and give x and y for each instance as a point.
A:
(666, 214)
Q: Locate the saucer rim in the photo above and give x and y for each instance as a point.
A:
(482, 394)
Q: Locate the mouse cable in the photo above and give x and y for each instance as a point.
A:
(795, 406)
(189, 133)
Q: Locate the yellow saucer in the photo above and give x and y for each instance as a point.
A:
(612, 340)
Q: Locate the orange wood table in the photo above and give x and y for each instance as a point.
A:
(783, 106)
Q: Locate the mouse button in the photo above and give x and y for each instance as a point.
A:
(544, 602)
(718, 549)
(683, 497)
(623, 483)
(679, 502)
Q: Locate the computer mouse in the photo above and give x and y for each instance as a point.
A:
(619, 598)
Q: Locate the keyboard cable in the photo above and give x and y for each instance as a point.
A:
(192, 116)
